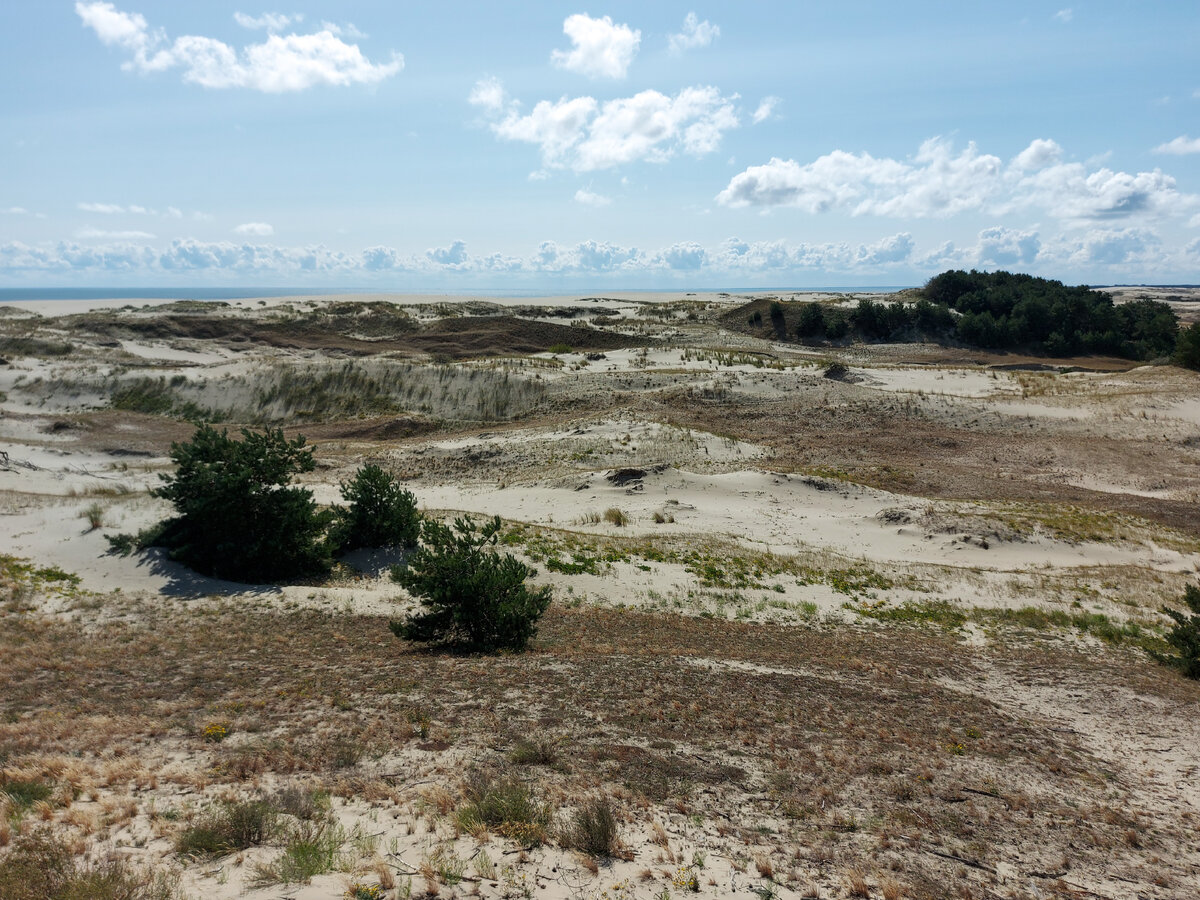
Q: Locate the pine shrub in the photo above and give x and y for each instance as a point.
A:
(471, 596)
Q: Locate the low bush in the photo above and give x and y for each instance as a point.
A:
(836, 371)
(593, 829)
(302, 803)
(238, 516)
(230, 827)
(23, 793)
(506, 805)
(537, 752)
(312, 848)
(470, 596)
(381, 513)
(1184, 636)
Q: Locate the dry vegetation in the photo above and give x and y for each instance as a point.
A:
(878, 636)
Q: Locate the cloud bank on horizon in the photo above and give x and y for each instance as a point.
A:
(664, 147)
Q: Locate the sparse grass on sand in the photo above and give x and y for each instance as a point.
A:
(809, 747)
(972, 725)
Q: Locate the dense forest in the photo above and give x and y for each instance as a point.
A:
(1004, 311)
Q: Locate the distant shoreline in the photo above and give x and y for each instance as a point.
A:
(9, 295)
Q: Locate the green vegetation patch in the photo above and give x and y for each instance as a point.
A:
(506, 805)
(160, 397)
(714, 567)
(31, 346)
(228, 827)
(946, 615)
(997, 310)
(348, 391)
(934, 612)
(1078, 524)
(731, 358)
(1004, 309)
(19, 576)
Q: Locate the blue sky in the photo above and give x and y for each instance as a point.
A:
(546, 146)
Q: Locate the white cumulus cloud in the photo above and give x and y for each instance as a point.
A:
(694, 34)
(583, 134)
(894, 249)
(1000, 246)
(267, 21)
(588, 198)
(254, 229)
(601, 48)
(378, 259)
(766, 108)
(15, 211)
(685, 256)
(454, 255)
(488, 93)
(601, 256)
(1064, 15)
(1113, 247)
(940, 182)
(1038, 155)
(1180, 146)
(1106, 252)
(291, 62)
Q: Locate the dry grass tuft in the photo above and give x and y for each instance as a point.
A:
(858, 885)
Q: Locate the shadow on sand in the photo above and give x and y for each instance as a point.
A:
(375, 562)
(182, 582)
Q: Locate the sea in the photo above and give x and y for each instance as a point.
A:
(17, 294)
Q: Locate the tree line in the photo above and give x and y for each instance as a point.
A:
(1009, 311)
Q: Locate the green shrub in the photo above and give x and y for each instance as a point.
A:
(526, 752)
(381, 512)
(1184, 637)
(313, 848)
(230, 827)
(23, 793)
(1187, 347)
(470, 596)
(593, 829)
(124, 544)
(812, 321)
(507, 806)
(238, 517)
(931, 612)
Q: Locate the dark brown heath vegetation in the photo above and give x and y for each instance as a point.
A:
(808, 746)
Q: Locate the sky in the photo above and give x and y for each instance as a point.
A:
(552, 146)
